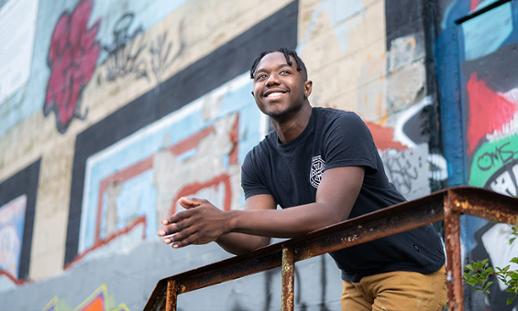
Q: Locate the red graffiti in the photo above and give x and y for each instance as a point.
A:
(12, 278)
(488, 111)
(384, 137)
(72, 60)
(234, 138)
(191, 189)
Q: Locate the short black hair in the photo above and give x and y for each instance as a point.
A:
(287, 53)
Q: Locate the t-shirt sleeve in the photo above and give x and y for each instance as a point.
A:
(349, 142)
(251, 181)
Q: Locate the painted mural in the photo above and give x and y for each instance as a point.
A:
(492, 123)
(12, 217)
(407, 161)
(68, 45)
(17, 208)
(135, 92)
(17, 45)
(485, 50)
(72, 60)
(112, 110)
(99, 300)
(136, 182)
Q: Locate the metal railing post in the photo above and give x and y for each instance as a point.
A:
(454, 263)
(287, 272)
(171, 295)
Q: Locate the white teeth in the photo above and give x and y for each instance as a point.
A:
(274, 93)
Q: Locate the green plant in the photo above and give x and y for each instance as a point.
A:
(477, 273)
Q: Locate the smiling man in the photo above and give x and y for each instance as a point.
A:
(321, 167)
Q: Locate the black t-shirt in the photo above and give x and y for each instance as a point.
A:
(291, 174)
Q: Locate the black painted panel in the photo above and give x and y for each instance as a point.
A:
(24, 182)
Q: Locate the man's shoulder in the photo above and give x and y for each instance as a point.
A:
(331, 120)
(262, 148)
(333, 113)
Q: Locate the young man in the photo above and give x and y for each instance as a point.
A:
(321, 166)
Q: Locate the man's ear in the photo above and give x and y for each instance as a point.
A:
(308, 87)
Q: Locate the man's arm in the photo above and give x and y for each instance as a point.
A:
(241, 243)
(336, 194)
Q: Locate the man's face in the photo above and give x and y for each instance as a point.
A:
(279, 89)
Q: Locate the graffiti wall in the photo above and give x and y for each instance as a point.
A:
(130, 186)
(485, 107)
(112, 110)
(98, 300)
(17, 207)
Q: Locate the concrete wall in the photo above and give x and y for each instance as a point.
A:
(110, 110)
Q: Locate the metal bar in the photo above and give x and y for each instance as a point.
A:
(485, 204)
(392, 220)
(236, 267)
(287, 272)
(389, 221)
(171, 295)
(399, 218)
(454, 273)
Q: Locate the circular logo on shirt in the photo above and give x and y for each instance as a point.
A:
(317, 169)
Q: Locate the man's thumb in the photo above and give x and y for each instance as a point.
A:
(189, 202)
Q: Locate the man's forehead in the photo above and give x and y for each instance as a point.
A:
(274, 59)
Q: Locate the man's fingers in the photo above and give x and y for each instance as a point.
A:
(177, 217)
(175, 227)
(191, 239)
(183, 236)
(187, 203)
(167, 240)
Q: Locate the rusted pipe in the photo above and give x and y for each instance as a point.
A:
(452, 239)
(171, 295)
(485, 204)
(287, 274)
(446, 204)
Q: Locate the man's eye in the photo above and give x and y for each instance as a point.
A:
(260, 77)
(284, 73)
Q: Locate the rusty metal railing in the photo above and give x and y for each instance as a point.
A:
(445, 205)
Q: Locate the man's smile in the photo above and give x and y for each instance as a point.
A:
(274, 92)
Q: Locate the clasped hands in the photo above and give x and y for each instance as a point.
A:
(200, 223)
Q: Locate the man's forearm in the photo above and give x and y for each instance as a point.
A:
(252, 229)
(285, 223)
(202, 222)
(241, 243)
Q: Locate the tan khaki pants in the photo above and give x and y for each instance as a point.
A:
(396, 291)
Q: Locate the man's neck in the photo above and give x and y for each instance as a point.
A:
(290, 128)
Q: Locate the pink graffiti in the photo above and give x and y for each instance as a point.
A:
(488, 111)
(72, 60)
